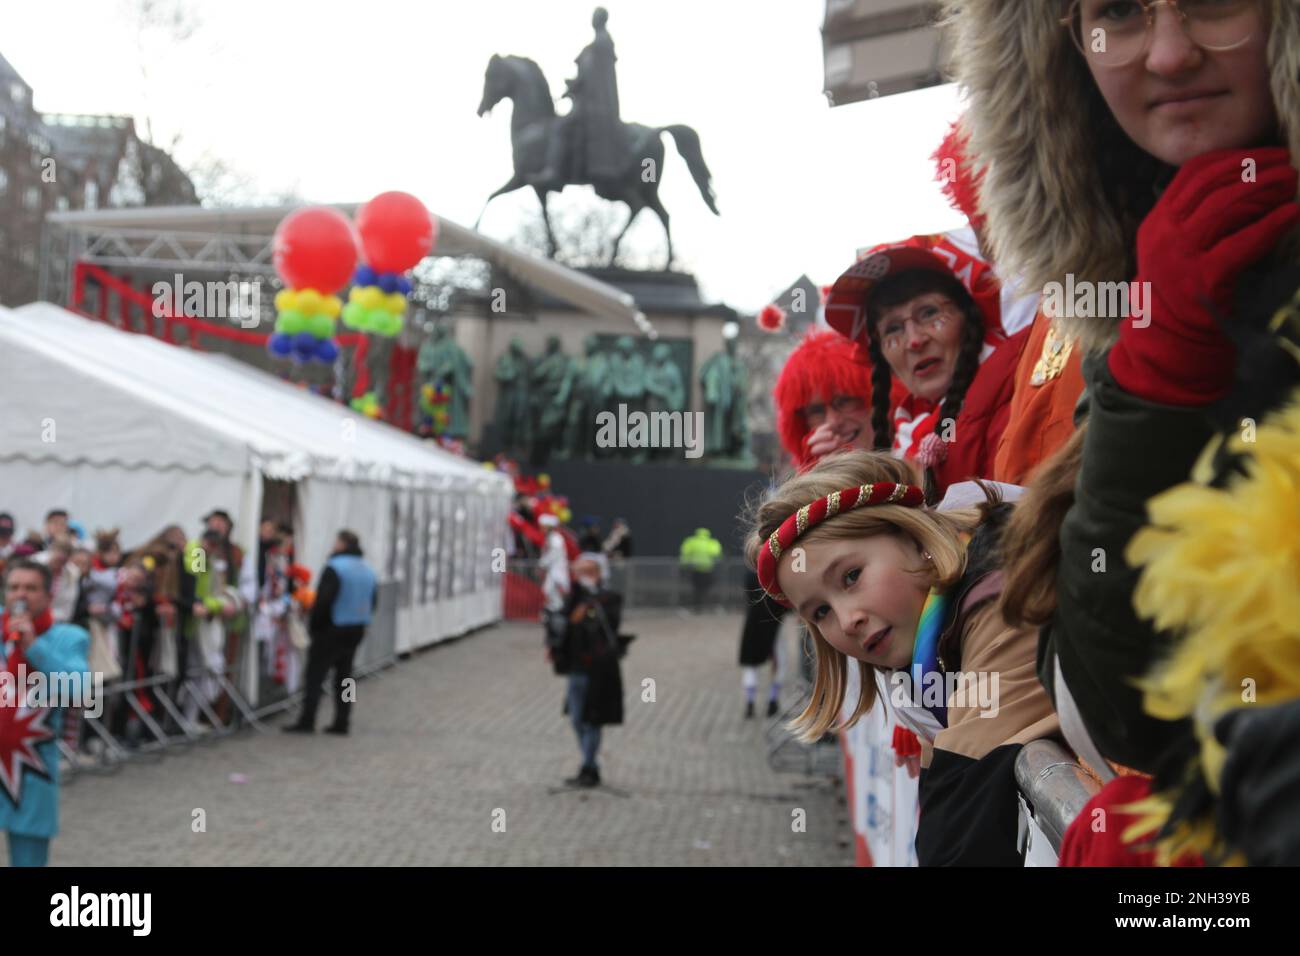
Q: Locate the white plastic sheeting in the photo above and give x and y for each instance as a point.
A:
(126, 431)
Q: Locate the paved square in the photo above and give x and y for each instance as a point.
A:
(468, 734)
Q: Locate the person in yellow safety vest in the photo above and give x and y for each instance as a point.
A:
(700, 552)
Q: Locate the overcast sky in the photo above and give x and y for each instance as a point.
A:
(341, 100)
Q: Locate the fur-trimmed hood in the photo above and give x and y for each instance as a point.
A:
(1045, 143)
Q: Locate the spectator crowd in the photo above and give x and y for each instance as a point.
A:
(169, 614)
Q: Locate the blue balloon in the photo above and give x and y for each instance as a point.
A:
(404, 285)
(364, 275)
(388, 282)
(327, 351)
(279, 344)
(305, 342)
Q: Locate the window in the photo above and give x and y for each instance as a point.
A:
(4, 182)
(61, 204)
(18, 93)
(92, 194)
(32, 198)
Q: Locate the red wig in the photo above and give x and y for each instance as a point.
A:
(959, 182)
(825, 364)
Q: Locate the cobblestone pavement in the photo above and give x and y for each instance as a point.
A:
(468, 735)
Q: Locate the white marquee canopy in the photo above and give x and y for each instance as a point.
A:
(126, 431)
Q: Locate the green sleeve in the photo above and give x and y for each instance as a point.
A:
(1133, 450)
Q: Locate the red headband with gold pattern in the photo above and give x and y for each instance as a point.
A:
(836, 503)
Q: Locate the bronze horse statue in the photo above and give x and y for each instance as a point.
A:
(533, 124)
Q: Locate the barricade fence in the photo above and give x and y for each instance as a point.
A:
(193, 700)
(645, 583)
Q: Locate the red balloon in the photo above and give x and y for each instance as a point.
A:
(315, 248)
(396, 231)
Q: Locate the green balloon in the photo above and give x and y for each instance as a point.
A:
(291, 322)
(393, 325)
(375, 320)
(354, 314)
(321, 326)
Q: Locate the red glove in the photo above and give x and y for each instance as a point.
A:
(1205, 230)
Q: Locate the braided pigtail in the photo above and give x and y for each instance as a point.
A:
(881, 384)
(968, 363)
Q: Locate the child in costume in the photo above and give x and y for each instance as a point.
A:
(910, 595)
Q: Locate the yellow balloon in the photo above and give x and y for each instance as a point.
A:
(565, 515)
(309, 301)
(396, 303)
(371, 296)
(332, 306)
(284, 300)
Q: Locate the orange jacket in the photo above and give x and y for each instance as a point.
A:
(1047, 388)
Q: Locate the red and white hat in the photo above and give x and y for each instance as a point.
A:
(846, 306)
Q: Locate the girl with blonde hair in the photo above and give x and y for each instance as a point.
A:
(910, 596)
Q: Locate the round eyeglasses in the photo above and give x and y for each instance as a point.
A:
(928, 317)
(1114, 33)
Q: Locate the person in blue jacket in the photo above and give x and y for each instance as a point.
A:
(345, 600)
(43, 663)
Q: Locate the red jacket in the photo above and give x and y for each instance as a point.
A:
(983, 417)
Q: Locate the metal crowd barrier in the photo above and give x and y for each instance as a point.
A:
(1053, 791)
(126, 729)
(645, 583)
(785, 752)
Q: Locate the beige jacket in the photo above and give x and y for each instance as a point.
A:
(998, 698)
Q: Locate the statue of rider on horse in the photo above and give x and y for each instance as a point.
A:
(591, 145)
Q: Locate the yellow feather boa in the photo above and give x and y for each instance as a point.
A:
(1222, 570)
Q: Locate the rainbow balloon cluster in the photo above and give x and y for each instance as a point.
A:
(304, 326)
(396, 232)
(315, 253)
(376, 302)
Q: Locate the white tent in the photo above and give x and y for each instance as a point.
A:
(126, 431)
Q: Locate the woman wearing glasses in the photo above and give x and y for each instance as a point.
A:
(924, 330)
(1149, 142)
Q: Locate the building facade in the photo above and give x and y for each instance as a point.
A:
(874, 48)
(57, 162)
